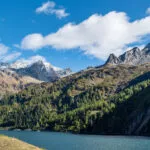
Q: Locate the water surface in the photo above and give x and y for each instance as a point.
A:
(63, 141)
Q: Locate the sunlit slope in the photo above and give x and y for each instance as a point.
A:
(7, 143)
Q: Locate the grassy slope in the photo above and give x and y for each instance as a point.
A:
(7, 143)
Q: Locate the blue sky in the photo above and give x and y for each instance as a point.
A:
(20, 18)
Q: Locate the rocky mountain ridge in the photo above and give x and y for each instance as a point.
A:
(134, 56)
(39, 70)
(16, 76)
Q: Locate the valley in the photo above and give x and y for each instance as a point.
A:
(108, 99)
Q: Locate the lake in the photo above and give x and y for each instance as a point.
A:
(66, 141)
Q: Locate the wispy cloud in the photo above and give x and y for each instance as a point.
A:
(97, 36)
(148, 11)
(31, 60)
(139, 46)
(17, 46)
(5, 55)
(3, 49)
(11, 57)
(50, 8)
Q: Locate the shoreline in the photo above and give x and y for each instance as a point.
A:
(73, 133)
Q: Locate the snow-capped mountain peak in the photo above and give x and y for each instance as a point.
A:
(24, 63)
(37, 67)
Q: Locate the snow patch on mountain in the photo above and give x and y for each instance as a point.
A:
(37, 67)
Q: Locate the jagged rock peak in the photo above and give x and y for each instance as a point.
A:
(130, 55)
(38, 69)
(112, 59)
(134, 56)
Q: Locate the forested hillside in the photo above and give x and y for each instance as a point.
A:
(132, 116)
(101, 100)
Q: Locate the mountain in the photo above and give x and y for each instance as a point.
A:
(63, 72)
(84, 102)
(134, 56)
(38, 69)
(11, 82)
(110, 99)
(130, 117)
(17, 76)
(112, 59)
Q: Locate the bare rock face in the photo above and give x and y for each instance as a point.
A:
(64, 72)
(131, 56)
(134, 56)
(112, 59)
(44, 71)
(39, 71)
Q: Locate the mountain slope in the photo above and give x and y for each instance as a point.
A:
(16, 76)
(11, 82)
(40, 69)
(110, 99)
(132, 117)
(75, 103)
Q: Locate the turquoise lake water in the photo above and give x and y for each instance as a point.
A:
(63, 141)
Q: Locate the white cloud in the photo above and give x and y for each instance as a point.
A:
(49, 8)
(5, 55)
(148, 11)
(139, 46)
(10, 57)
(33, 41)
(3, 49)
(98, 35)
(22, 63)
(45, 7)
(33, 59)
(16, 46)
